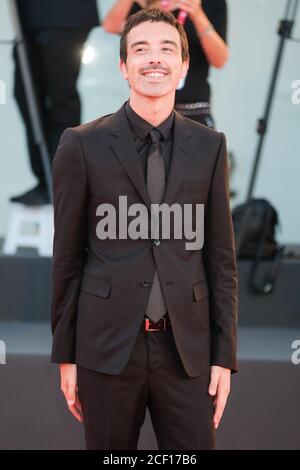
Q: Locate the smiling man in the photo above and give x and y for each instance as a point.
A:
(140, 322)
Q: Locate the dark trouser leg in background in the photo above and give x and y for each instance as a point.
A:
(55, 59)
(60, 53)
(19, 92)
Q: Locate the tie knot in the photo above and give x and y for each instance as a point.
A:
(155, 136)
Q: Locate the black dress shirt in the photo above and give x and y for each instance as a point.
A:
(141, 128)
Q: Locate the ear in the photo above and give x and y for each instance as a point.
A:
(123, 69)
(185, 68)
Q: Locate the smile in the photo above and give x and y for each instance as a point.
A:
(154, 74)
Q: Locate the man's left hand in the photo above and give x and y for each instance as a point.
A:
(219, 387)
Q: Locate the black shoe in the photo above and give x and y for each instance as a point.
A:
(37, 196)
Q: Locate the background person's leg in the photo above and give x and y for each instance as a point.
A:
(60, 54)
(19, 93)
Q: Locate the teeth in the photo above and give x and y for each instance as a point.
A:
(154, 74)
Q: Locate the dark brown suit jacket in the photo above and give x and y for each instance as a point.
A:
(101, 287)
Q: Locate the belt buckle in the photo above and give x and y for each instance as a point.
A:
(148, 327)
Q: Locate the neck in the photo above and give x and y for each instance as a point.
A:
(152, 109)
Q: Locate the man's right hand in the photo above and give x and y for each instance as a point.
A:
(68, 380)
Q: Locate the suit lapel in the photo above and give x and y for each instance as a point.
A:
(180, 160)
(123, 146)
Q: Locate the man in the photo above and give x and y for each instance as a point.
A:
(143, 322)
(55, 33)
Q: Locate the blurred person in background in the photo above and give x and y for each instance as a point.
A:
(206, 29)
(54, 33)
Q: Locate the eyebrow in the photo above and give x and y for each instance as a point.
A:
(142, 43)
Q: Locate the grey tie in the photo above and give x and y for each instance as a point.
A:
(156, 183)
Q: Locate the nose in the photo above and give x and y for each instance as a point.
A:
(154, 61)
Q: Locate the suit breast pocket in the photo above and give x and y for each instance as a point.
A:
(95, 286)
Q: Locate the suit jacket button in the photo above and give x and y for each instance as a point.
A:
(146, 283)
(156, 242)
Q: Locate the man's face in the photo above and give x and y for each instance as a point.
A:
(154, 64)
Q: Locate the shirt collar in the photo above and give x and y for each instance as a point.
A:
(141, 127)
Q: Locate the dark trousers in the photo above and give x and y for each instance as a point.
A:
(55, 59)
(180, 407)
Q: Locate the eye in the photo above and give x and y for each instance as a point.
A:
(168, 49)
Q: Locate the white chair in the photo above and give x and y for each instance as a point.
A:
(29, 227)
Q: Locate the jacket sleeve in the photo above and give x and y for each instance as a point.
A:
(221, 265)
(69, 245)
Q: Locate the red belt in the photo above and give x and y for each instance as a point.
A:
(161, 325)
